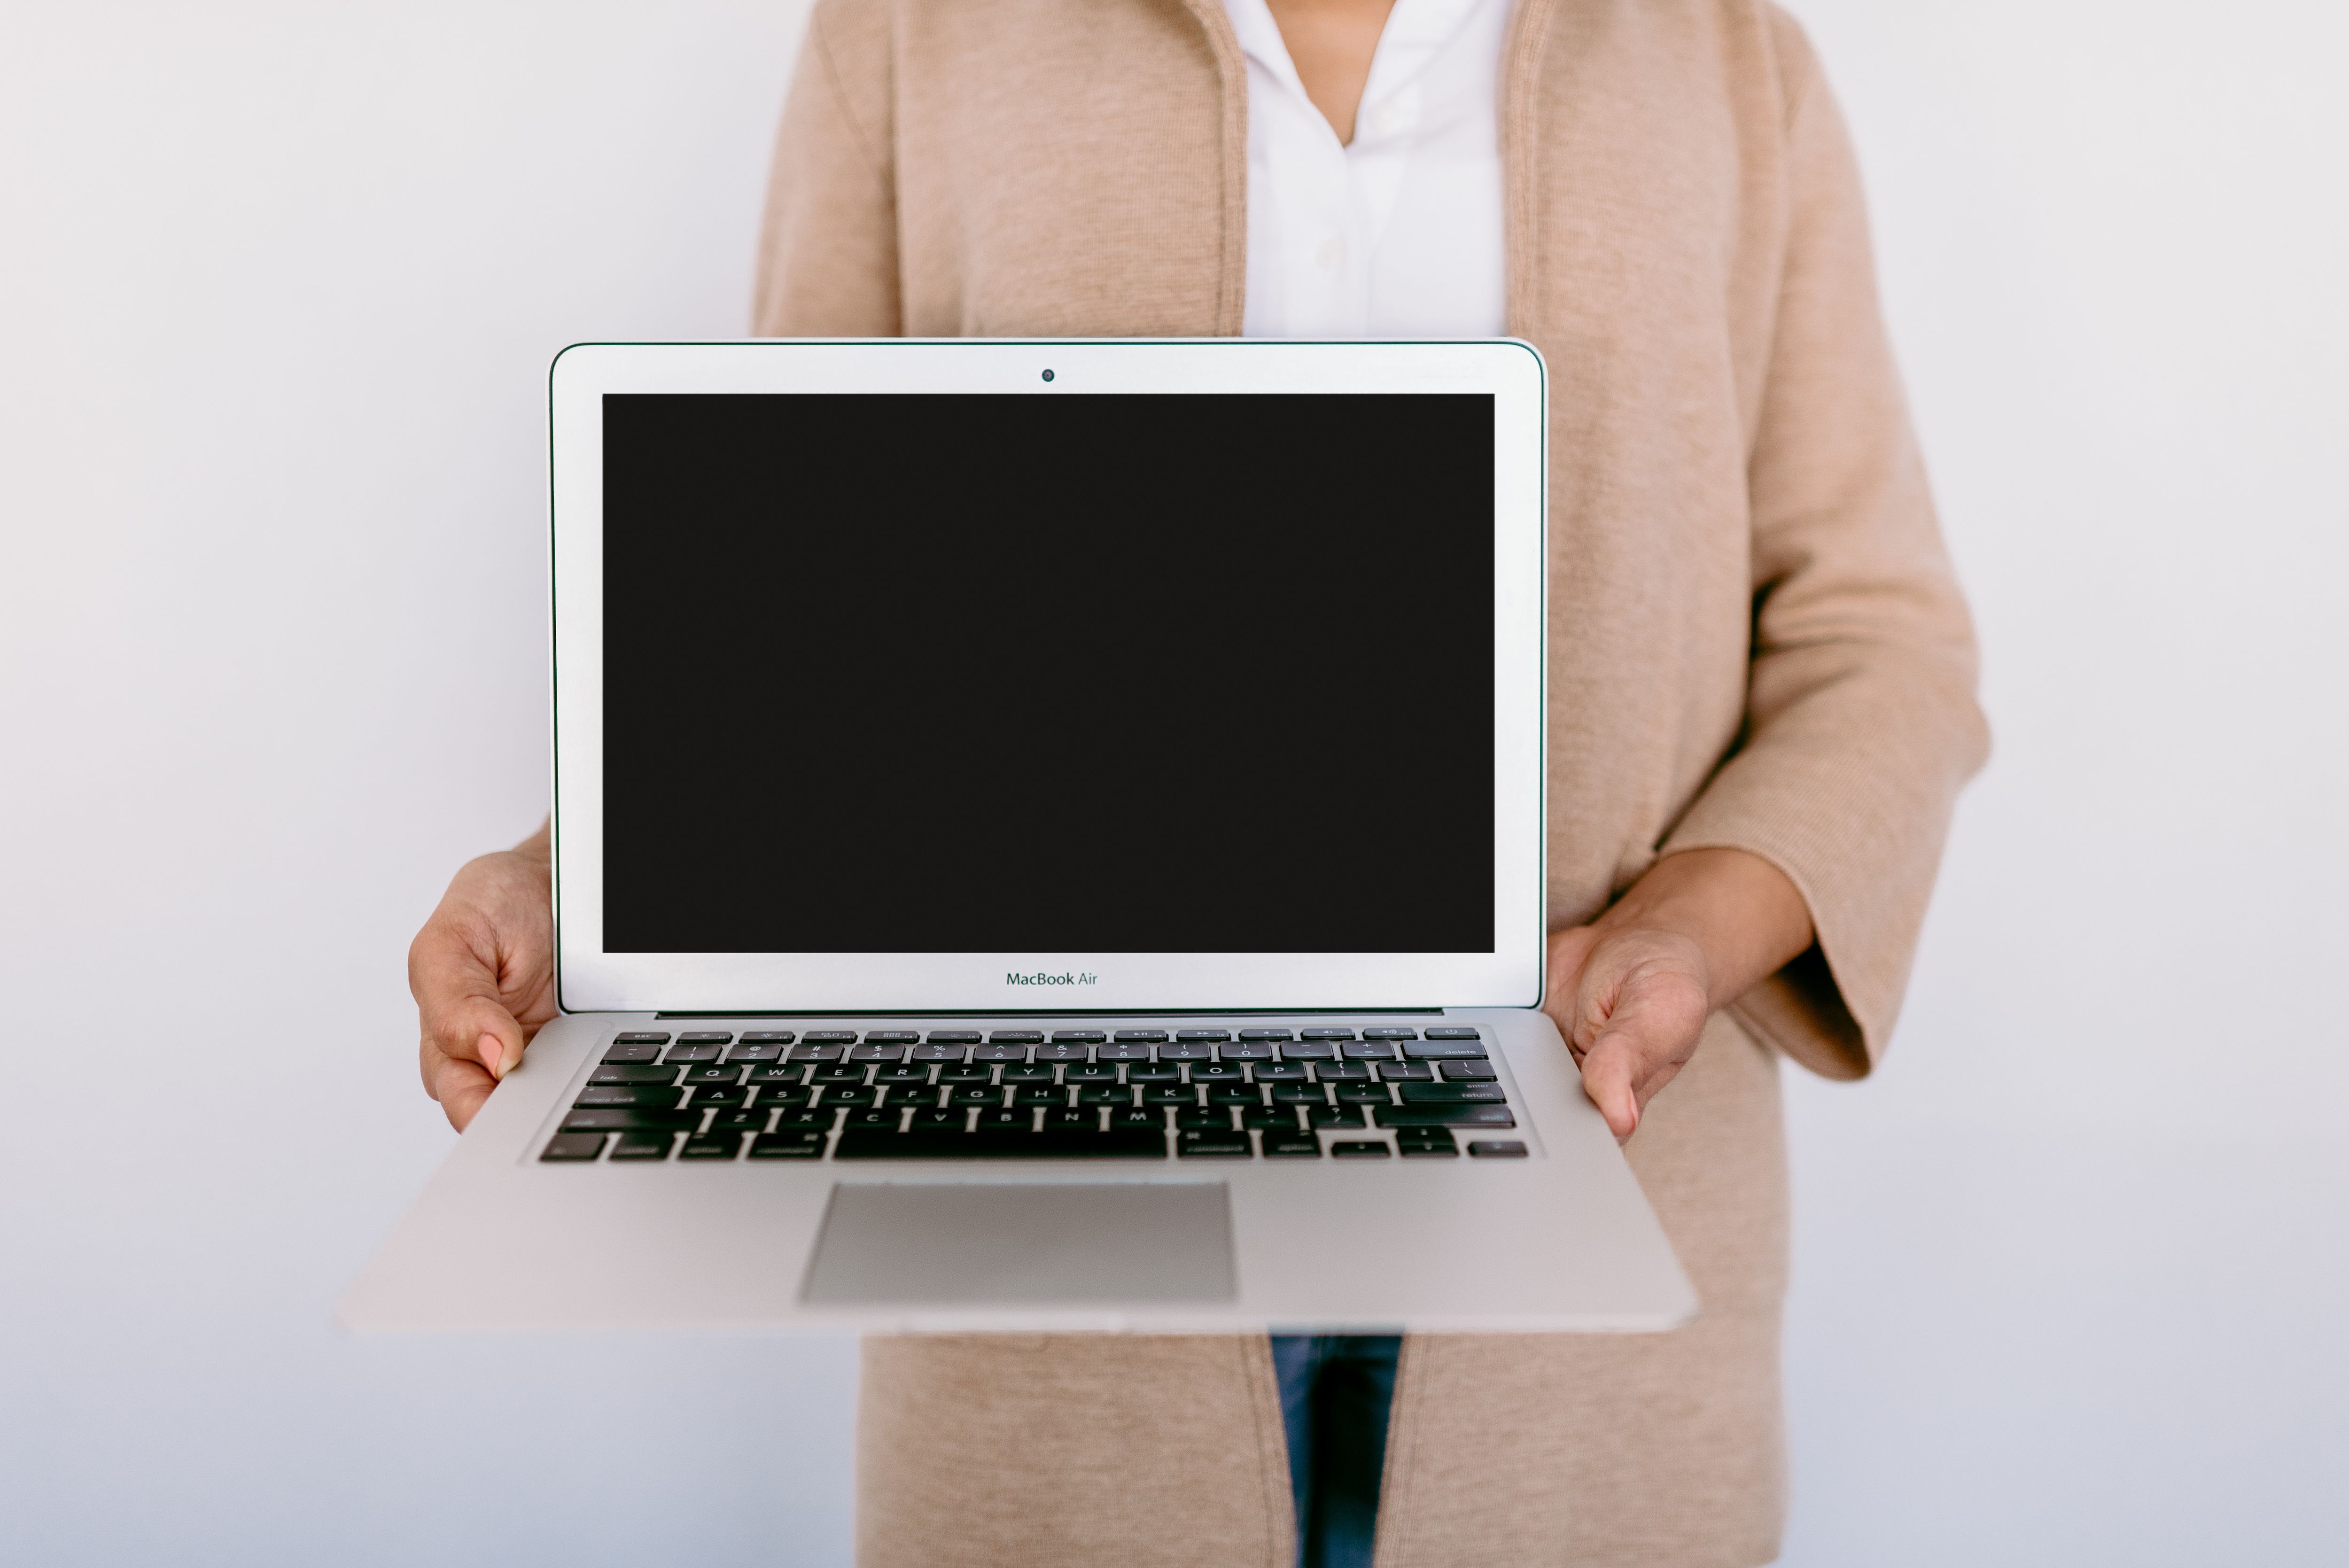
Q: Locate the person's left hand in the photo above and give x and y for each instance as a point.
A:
(1630, 991)
(1631, 1002)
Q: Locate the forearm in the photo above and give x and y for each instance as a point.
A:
(1740, 910)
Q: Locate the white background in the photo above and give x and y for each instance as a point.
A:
(278, 284)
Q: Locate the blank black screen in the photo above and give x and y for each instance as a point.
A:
(1049, 673)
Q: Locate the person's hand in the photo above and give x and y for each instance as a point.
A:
(482, 970)
(1632, 991)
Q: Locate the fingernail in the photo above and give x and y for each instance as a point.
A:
(493, 1055)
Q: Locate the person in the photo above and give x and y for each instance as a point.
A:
(1761, 692)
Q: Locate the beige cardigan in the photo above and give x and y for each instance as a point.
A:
(1756, 642)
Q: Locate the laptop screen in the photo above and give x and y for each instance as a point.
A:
(999, 672)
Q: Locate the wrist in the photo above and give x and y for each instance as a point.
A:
(1740, 912)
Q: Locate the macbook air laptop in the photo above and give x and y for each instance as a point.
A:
(1048, 835)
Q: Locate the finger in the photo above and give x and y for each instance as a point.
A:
(457, 1004)
(1611, 1071)
(462, 1087)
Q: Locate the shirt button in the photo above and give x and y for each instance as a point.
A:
(1331, 254)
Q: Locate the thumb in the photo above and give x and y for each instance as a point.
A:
(1609, 1076)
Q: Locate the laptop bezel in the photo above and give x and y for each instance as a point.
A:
(589, 979)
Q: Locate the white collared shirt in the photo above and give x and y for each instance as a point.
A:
(1399, 234)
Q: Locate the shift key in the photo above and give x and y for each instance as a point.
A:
(630, 1120)
(1441, 1116)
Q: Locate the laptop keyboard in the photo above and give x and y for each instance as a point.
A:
(1019, 1094)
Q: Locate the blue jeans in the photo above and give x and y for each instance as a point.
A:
(1335, 1393)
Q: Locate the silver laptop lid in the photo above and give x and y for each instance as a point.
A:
(983, 675)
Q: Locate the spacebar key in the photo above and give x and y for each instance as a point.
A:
(946, 1143)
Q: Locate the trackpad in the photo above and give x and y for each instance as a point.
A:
(977, 1241)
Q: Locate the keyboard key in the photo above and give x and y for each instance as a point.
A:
(1333, 1116)
(684, 1053)
(1060, 1053)
(804, 1053)
(662, 1076)
(1363, 1150)
(830, 1037)
(1135, 1117)
(1039, 1094)
(630, 1120)
(1299, 1094)
(1276, 1147)
(712, 1073)
(1278, 1119)
(873, 1053)
(788, 1146)
(1212, 1145)
(1104, 1094)
(838, 1072)
(657, 1099)
(1263, 1034)
(1361, 1094)
(1468, 1072)
(1208, 1034)
(786, 1094)
(1016, 1037)
(1310, 1051)
(1122, 1053)
(754, 1053)
(952, 1116)
(1442, 1050)
(1077, 1036)
(1328, 1033)
(1245, 1051)
(640, 1037)
(1444, 1116)
(1450, 1093)
(1342, 1072)
(891, 1036)
(1187, 1051)
(850, 1094)
(874, 1115)
(1234, 1094)
(1277, 1072)
(1218, 1072)
(642, 1146)
(1170, 1094)
(1496, 1149)
(805, 1117)
(572, 1146)
(738, 1121)
(1367, 1051)
(767, 1036)
(995, 1052)
(924, 1143)
(974, 1094)
(1154, 1074)
(1427, 1149)
(966, 1072)
(906, 1072)
(1404, 1072)
(1387, 1033)
(1071, 1121)
(720, 1094)
(1090, 1072)
(1140, 1036)
(939, 1053)
(1005, 1121)
(1021, 1072)
(726, 1148)
(1219, 1118)
(954, 1036)
(631, 1054)
(704, 1036)
(1450, 1032)
(774, 1073)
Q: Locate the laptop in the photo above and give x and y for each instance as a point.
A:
(1049, 835)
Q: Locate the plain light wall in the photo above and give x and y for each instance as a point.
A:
(279, 286)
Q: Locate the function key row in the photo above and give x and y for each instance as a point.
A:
(688, 1050)
(1028, 1037)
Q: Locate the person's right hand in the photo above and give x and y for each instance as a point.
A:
(482, 970)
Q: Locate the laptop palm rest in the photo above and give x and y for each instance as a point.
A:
(985, 1243)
